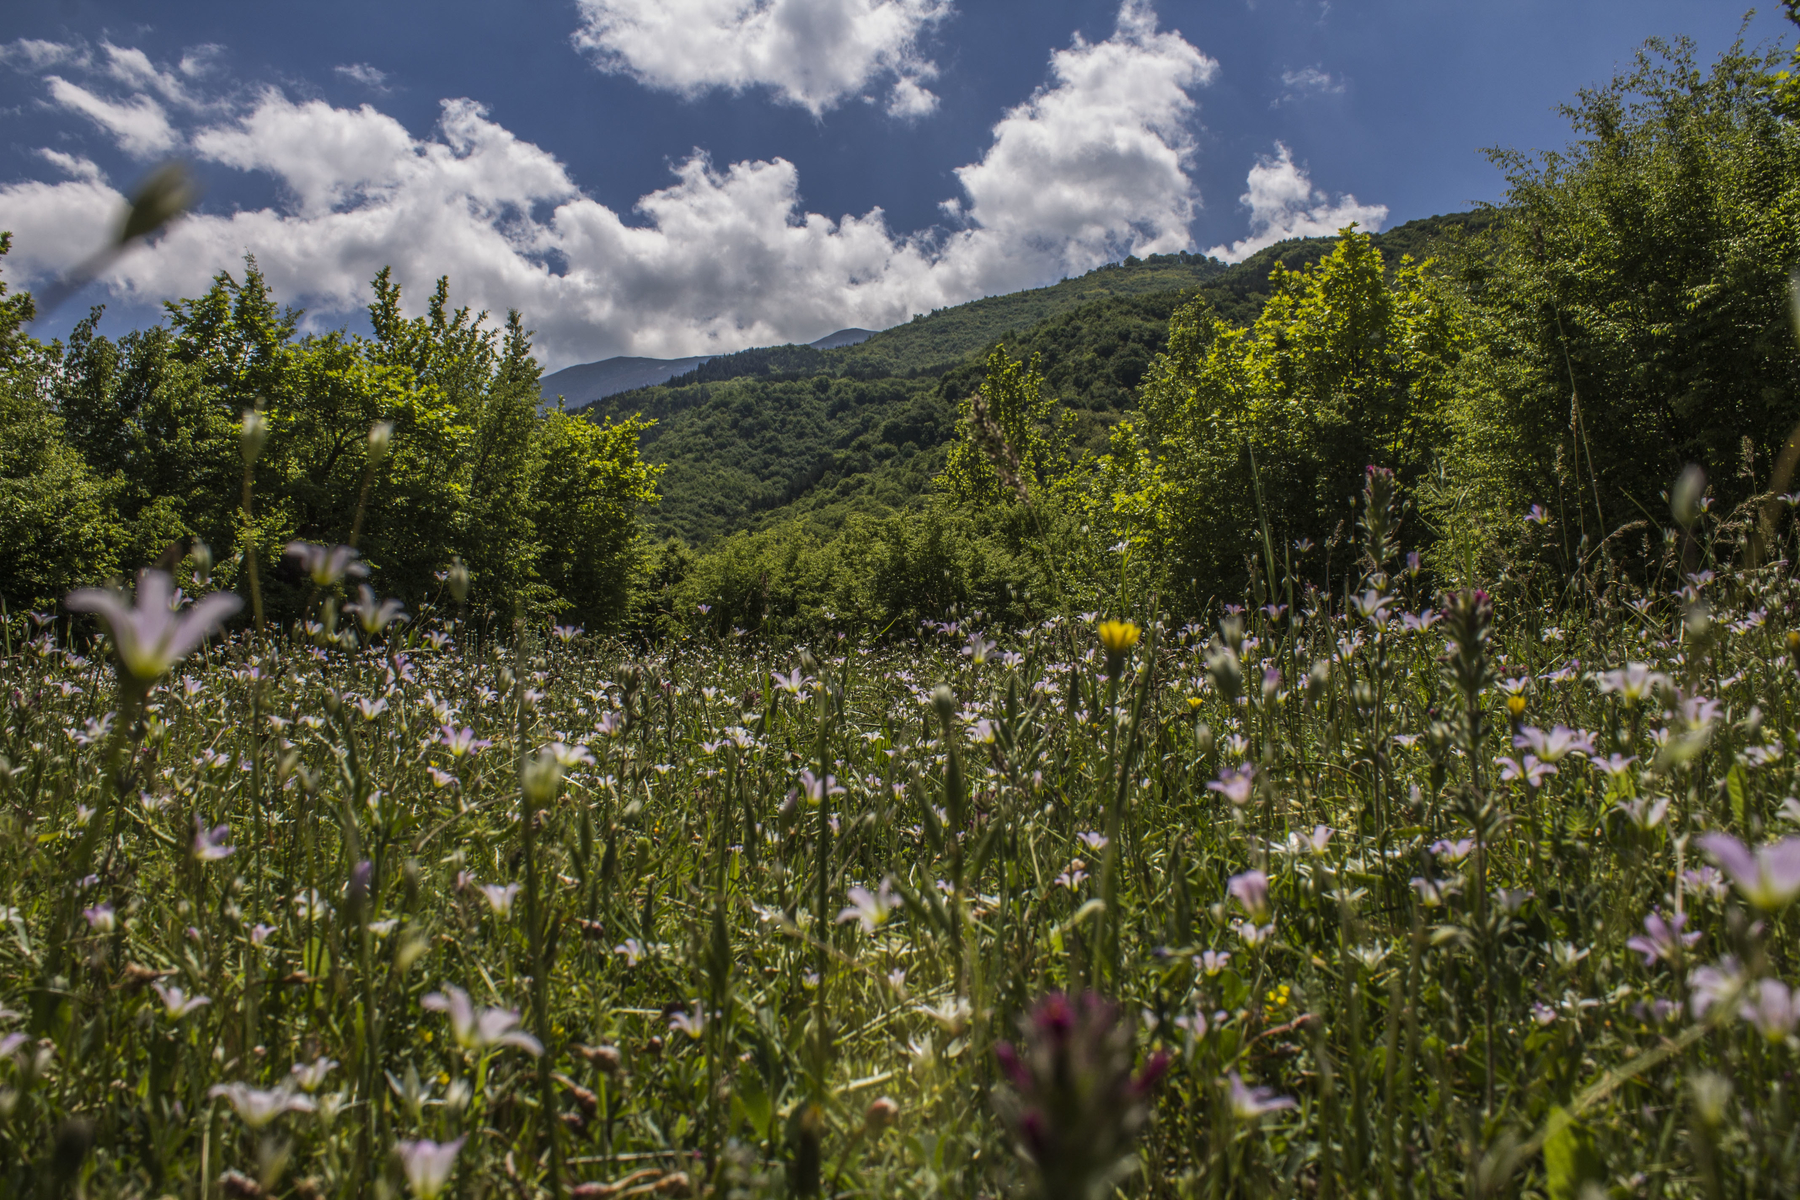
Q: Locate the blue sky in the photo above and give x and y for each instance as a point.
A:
(670, 177)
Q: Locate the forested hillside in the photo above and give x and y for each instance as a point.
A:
(744, 447)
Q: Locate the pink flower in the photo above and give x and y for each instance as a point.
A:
(1235, 785)
(427, 1165)
(480, 1028)
(1249, 1103)
(1768, 877)
(1251, 889)
(152, 637)
(1664, 939)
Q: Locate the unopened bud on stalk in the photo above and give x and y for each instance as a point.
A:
(168, 192)
(944, 700)
(252, 434)
(202, 555)
(458, 580)
(1685, 498)
(381, 433)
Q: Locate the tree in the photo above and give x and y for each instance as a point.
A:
(1630, 308)
(1346, 366)
(1008, 439)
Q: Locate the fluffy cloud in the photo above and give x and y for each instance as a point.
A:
(1092, 167)
(1284, 204)
(140, 125)
(812, 53)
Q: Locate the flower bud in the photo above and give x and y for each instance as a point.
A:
(252, 434)
(202, 555)
(458, 580)
(1684, 500)
(380, 434)
(168, 192)
(944, 700)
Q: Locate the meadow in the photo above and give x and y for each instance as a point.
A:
(1367, 892)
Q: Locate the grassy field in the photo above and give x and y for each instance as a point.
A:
(1388, 894)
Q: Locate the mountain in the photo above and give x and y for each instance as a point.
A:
(775, 433)
(584, 383)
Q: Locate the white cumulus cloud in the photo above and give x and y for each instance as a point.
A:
(812, 53)
(1092, 167)
(140, 125)
(1284, 204)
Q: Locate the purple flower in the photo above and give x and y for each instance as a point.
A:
(1556, 745)
(461, 741)
(1251, 889)
(257, 1108)
(816, 789)
(1250, 1103)
(152, 637)
(1768, 877)
(1662, 939)
(1773, 1008)
(1715, 984)
(1531, 770)
(1074, 1106)
(1235, 785)
(209, 844)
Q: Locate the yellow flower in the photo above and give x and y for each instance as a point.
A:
(1118, 636)
(1515, 705)
(1194, 702)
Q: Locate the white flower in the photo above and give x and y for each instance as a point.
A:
(499, 898)
(427, 1165)
(870, 908)
(151, 637)
(311, 1076)
(480, 1028)
(257, 1108)
(177, 1003)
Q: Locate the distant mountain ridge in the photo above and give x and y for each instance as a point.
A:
(584, 383)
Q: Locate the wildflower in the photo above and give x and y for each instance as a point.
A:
(1715, 984)
(462, 741)
(100, 918)
(1095, 842)
(1531, 770)
(1117, 638)
(151, 637)
(427, 1165)
(1211, 962)
(310, 906)
(1452, 852)
(1704, 881)
(259, 933)
(372, 614)
(1773, 1008)
(1662, 939)
(209, 844)
(1074, 1105)
(1644, 814)
(255, 1107)
(310, 1077)
(480, 1028)
(1251, 1103)
(500, 898)
(869, 908)
(1556, 745)
(177, 1003)
(1632, 683)
(1235, 785)
(1253, 934)
(1615, 766)
(540, 776)
(632, 950)
(1251, 889)
(1073, 875)
(978, 649)
(1768, 877)
(326, 564)
(694, 1026)
(816, 789)
(370, 709)
(569, 756)
(1542, 1013)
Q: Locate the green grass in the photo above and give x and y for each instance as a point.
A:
(1444, 969)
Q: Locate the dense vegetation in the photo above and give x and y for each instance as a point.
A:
(1422, 809)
